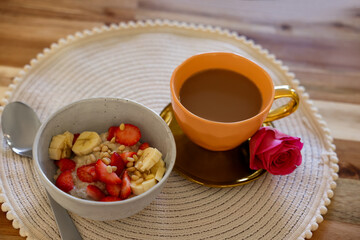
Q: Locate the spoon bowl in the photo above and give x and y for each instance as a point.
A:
(20, 124)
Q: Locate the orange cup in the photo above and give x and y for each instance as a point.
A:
(221, 136)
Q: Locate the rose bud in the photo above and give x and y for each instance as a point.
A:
(275, 151)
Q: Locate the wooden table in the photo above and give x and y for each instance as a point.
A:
(318, 40)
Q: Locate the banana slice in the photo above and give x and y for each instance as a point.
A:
(69, 138)
(138, 189)
(155, 168)
(148, 184)
(86, 143)
(60, 146)
(149, 158)
(159, 173)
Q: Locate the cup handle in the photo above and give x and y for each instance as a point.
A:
(287, 109)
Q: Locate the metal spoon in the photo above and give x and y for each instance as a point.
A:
(20, 124)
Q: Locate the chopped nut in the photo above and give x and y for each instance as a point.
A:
(121, 148)
(104, 148)
(137, 173)
(130, 159)
(109, 169)
(106, 160)
(140, 180)
(134, 177)
(129, 164)
(112, 140)
(135, 157)
(140, 152)
(104, 154)
(96, 149)
(131, 169)
(114, 168)
(92, 158)
(122, 127)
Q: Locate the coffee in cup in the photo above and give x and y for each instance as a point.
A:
(221, 99)
(221, 95)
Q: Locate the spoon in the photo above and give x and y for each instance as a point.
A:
(20, 123)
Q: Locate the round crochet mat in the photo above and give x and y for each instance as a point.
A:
(135, 61)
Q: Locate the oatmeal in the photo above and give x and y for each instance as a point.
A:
(111, 166)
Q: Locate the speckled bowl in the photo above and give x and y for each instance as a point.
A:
(98, 114)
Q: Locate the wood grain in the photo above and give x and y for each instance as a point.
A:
(7, 232)
(318, 40)
(337, 231)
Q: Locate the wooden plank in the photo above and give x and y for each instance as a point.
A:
(7, 231)
(329, 84)
(76, 10)
(17, 48)
(342, 119)
(7, 74)
(332, 230)
(276, 11)
(349, 154)
(40, 23)
(346, 197)
(328, 33)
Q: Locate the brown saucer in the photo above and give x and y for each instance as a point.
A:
(209, 168)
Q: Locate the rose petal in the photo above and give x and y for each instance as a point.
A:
(280, 135)
(254, 143)
(285, 162)
(296, 154)
(268, 143)
(256, 164)
(263, 140)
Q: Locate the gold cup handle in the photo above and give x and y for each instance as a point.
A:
(287, 109)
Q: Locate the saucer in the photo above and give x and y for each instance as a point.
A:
(210, 168)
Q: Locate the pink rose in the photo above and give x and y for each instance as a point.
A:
(275, 151)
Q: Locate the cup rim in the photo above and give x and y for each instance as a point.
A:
(184, 109)
(46, 181)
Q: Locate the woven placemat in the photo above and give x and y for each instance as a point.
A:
(135, 60)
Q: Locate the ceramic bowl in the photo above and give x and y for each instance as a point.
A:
(98, 114)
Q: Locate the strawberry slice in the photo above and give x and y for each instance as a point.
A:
(94, 192)
(113, 189)
(76, 135)
(117, 161)
(65, 181)
(87, 173)
(111, 132)
(110, 199)
(65, 164)
(129, 136)
(125, 155)
(144, 146)
(104, 176)
(125, 186)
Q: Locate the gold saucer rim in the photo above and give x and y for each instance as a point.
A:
(167, 116)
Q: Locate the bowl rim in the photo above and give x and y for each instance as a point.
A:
(49, 183)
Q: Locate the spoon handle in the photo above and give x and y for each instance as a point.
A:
(66, 225)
